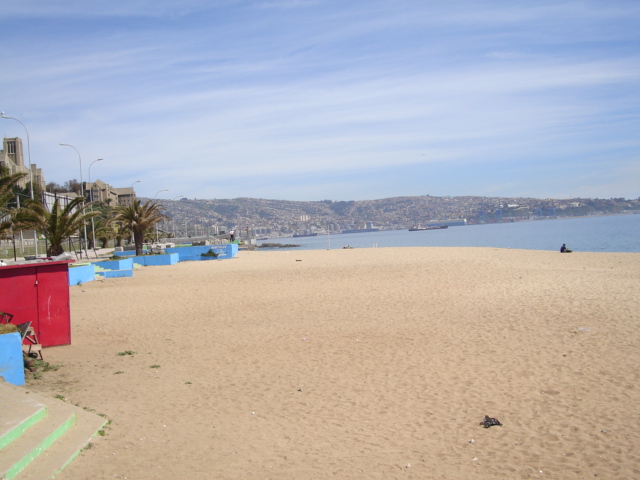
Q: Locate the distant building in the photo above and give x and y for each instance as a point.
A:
(100, 191)
(126, 196)
(12, 159)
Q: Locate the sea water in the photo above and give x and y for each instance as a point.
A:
(609, 233)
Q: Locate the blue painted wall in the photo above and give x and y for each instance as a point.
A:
(116, 273)
(124, 264)
(127, 253)
(155, 260)
(11, 363)
(224, 251)
(81, 274)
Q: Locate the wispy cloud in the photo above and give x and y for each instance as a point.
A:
(316, 99)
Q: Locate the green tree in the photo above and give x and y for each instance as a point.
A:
(8, 184)
(73, 185)
(54, 187)
(59, 224)
(139, 218)
(105, 231)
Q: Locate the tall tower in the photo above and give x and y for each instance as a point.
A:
(12, 158)
(13, 150)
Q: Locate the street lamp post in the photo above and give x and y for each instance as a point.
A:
(82, 193)
(137, 181)
(93, 229)
(156, 196)
(35, 233)
(173, 220)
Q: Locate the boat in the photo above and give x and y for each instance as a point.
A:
(418, 228)
(297, 235)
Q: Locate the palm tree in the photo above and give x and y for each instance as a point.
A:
(7, 183)
(138, 218)
(59, 224)
(105, 231)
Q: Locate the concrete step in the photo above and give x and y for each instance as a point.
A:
(18, 413)
(51, 462)
(46, 445)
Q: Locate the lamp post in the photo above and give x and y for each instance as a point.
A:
(173, 220)
(93, 228)
(156, 196)
(137, 181)
(35, 233)
(82, 193)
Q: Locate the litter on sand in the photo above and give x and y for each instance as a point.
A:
(490, 422)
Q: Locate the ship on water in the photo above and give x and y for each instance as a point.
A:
(452, 222)
(439, 224)
(417, 228)
(297, 235)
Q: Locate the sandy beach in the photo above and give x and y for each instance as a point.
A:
(371, 363)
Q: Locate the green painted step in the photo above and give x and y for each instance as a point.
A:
(44, 446)
(24, 450)
(17, 416)
(62, 452)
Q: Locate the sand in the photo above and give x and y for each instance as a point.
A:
(360, 364)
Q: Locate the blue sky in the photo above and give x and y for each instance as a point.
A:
(339, 100)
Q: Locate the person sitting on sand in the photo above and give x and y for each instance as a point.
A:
(564, 249)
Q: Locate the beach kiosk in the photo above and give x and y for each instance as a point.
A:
(38, 293)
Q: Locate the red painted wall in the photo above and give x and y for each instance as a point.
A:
(39, 293)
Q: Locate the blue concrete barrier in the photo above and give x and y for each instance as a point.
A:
(155, 260)
(82, 273)
(116, 273)
(11, 362)
(124, 264)
(224, 251)
(128, 253)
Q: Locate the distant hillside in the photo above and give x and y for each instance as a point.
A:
(285, 216)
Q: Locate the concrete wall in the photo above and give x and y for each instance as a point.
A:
(128, 253)
(124, 264)
(11, 363)
(224, 251)
(115, 273)
(155, 260)
(81, 274)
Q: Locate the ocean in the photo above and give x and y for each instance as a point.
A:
(609, 233)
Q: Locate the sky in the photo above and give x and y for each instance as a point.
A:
(327, 99)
